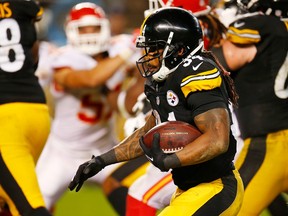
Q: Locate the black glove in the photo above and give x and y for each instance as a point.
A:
(85, 171)
(157, 157)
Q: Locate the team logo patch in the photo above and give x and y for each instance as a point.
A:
(172, 98)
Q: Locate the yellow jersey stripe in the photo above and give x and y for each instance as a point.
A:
(40, 14)
(286, 23)
(203, 81)
(243, 36)
(198, 76)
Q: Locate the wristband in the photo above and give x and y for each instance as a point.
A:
(101, 161)
(108, 158)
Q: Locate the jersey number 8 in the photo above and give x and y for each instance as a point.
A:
(11, 51)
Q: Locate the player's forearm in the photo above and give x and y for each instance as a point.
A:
(129, 148)
(94, 77)
(215, 126)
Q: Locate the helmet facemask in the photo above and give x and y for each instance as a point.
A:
(168, 36)
(155, 5)
(197, 7)
(90, 43)
(277, 8)
(161, 52)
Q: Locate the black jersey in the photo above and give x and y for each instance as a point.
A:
(18, 82)
(195, 87)
(262, 84)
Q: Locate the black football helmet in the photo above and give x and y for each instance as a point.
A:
(270, 7)
(252, 5)
(176, 33)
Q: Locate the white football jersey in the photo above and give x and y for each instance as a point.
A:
(81, 114)
(82, 125)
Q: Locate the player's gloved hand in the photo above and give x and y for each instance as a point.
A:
(85, 171)
(157, 157)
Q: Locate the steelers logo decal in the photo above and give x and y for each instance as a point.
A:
(172, 98)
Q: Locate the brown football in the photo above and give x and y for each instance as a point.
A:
(174, 135)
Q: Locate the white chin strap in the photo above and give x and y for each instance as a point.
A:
(163, 72)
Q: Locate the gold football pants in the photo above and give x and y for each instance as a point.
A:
(263, 166)
(24, 128)
(220, 197)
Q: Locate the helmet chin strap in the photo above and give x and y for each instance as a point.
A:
(163, 72)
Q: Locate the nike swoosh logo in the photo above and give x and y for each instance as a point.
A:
(238, 24)
(197, 66)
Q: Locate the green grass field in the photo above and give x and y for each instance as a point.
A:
(89, 201)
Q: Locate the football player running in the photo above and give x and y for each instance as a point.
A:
(176, 64)
(153, 190)
(83, 123)
(24, 115)
(255, 51)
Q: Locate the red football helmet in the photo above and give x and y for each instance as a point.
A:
(197, 7)
(88, 14)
